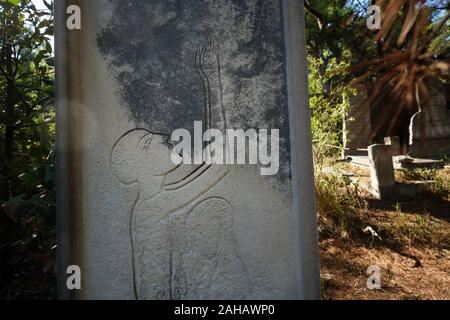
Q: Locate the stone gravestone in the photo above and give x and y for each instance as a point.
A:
(357, 128)
(429, 130)
(396, 146)
(137, 224)
(382, 179)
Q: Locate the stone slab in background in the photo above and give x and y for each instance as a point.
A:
(357, 124)
(381, 170)
(138, 70)
(429, 131)
(395, 144)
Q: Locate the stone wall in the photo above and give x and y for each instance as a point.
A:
(430, 128)
(357, 123)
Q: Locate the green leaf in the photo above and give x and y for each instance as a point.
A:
(13, 2)
(48, 5)
(48, 174)
(15, 203)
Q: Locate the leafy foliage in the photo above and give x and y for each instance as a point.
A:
(338, 201)
(27, 168)
(327, 105)
(394, 62)
(403, 60)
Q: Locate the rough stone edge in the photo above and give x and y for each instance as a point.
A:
(62, 212)
(69, 151)
(303, 195)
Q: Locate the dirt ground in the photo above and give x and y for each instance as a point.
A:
(343, 272)
(415, 271)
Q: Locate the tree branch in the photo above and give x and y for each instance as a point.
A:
(316, 14)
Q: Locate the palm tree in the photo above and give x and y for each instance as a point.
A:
(404, 62)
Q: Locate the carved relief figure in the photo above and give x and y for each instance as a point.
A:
(182, 240)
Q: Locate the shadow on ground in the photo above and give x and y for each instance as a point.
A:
(427, 203)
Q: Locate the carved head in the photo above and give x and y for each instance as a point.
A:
(140, 153)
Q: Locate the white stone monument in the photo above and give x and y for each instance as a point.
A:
(141, 226)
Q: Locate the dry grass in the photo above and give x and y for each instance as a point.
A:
(410, 240)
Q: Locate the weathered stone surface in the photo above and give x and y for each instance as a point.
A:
(416, 163)
(429, 131)
(357, 124)
(395, 144)
(381, 170)
(142, 228)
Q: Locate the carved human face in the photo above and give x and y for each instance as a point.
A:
(153, 155)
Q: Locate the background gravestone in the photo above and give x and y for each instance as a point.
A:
(429, 131)
(357, 127)
(140, 228)
(382, 179)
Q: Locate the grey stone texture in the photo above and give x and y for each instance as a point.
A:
(357, 123)
(381, 170)
(430, 127)
(143, 228)
(395, 144)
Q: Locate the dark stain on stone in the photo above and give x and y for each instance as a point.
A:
(152, 45)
